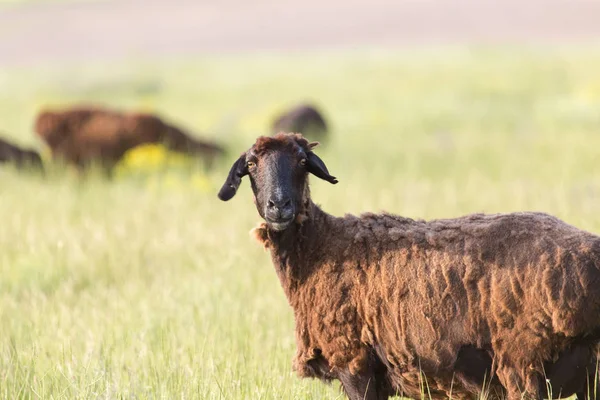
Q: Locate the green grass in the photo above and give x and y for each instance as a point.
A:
(148, 287)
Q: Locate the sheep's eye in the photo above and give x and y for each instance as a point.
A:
(251, 164)
(303, 162)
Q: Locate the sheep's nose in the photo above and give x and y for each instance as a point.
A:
(280, 207)
(280, 203)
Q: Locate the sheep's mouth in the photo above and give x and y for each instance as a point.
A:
(279, 224)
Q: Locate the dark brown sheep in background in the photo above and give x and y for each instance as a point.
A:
(86, 135)
(21, 158)
(304, 119)
(389, 305)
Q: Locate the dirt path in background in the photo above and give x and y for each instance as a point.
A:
(61, 32)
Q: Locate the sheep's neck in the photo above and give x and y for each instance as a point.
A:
(294, 250)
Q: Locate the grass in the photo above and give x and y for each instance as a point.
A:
(148, 287)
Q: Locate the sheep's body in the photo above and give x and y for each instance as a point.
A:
(21, 158)
(388, 297)
(86, 135)
(304, 119)
(448, 307)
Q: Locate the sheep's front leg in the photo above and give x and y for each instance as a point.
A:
(364, 386)
(591, 390)
(585, 396)
(519, 385)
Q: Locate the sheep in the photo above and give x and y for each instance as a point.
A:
(85, 135)
(303, 118)
(390, 305)
(21, 158)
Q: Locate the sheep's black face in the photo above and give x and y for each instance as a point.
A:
(278, 168)
(278, 181)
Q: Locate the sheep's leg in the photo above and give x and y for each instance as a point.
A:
(370, 383)
(519, 386)
(364, 386)
(591, 390)
(584, 396)
(592, 387)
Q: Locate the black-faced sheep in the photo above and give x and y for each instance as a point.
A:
(389, 305)
(85, 135)
(21, 158)
(304, 119)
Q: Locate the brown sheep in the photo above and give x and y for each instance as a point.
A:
(304, 119)
(390, 305)
(21, 158)
(85, 135)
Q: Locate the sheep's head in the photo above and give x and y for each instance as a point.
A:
(278, 168)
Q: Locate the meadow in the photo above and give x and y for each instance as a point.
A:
(149, 287)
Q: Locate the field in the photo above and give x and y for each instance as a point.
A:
(149, 287)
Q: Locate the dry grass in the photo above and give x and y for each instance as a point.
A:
(149, 287)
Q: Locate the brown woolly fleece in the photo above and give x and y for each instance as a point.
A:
(390, 305)
(21, 158)
(85, 135)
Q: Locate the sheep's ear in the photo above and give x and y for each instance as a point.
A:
(317, 167)
(238, 170)
(312, 145)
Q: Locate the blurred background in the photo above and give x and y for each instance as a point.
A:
(121, 273)
(43, 31)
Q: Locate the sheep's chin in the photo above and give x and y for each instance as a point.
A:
(279, 226)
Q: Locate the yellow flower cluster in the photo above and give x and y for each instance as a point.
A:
(176, 168)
